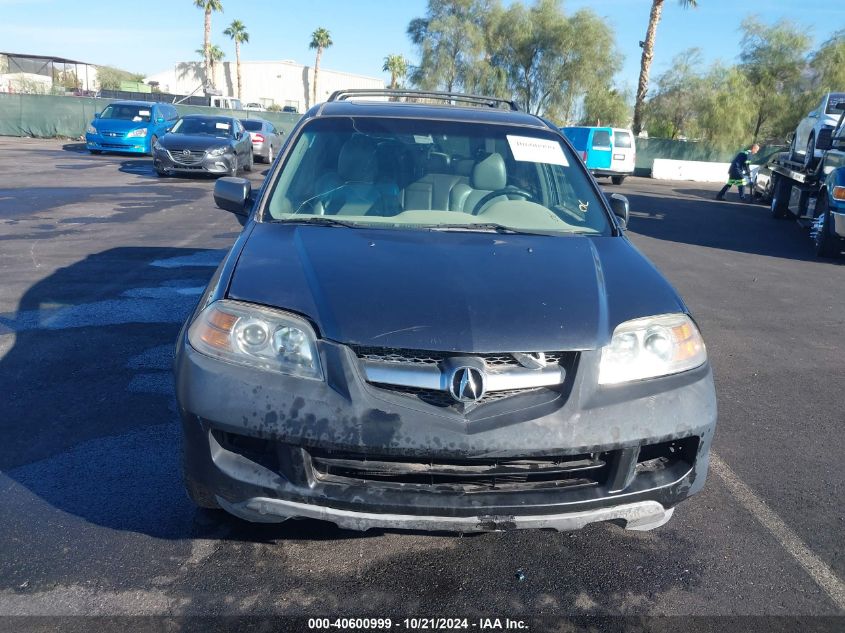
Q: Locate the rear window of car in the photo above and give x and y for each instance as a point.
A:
(622, 139)
(252, 126)
(833, 102)
(601, 138)
(128, 112)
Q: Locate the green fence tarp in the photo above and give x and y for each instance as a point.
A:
(49, 116)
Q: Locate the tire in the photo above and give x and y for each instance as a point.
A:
(153, 141)
(199, 494)
(97, 152)
(780, 197)
(827, 243)
(251, 162)
(160, 173)
(617, 180)
(809, 156)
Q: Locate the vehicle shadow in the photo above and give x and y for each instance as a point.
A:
(693, 216)
(79, 148)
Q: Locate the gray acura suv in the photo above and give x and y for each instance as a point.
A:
(433, 319)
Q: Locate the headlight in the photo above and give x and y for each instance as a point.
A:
(91, 129)
(651, 347)
(141, 131)
(259, 337)
(217, 151)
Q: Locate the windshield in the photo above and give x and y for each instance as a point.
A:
(126, 112)
(203, 126)
(833, 102)
(445, 175)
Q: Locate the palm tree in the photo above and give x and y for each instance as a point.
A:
(397, 66)
(237, 31)
(648, 55)
(321, 39)
(216, 54)
(208, 6)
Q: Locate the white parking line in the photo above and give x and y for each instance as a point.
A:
(823, 575)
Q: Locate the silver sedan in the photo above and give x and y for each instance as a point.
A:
(266, 139)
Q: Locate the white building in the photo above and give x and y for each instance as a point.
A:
(284, 83)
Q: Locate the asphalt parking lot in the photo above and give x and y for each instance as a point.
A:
(101, 261)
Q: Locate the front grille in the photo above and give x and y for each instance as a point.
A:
(192, 158)
(115, 145)
(467, 475)
(418, 374)
(113, 134)
(419, 357)
(444, 400)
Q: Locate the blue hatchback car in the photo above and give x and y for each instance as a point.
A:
(129, 126)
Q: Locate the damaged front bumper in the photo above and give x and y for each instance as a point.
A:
(267, 447)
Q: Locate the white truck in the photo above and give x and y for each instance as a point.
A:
(813, 193)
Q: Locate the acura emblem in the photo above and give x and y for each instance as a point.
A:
(467, 384)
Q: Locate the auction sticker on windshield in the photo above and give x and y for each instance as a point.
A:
(221, 126)
(536, 150)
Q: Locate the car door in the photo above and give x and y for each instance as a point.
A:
(623, 151)
(599, 149)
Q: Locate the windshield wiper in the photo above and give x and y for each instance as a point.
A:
(487, 227)
(322, 220)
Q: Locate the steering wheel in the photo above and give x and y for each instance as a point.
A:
(505, 191)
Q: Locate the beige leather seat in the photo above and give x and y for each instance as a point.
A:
(487, 175)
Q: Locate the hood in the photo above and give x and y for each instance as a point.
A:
(468, 292)
(118, 125)
(188, 141)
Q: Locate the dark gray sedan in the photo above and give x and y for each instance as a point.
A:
(266, 139)
(204, 144)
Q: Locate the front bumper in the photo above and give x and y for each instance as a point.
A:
(165, 162)
(259, 443)
(133, 145)
(838, 218)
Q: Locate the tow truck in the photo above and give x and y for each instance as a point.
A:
(814, 194)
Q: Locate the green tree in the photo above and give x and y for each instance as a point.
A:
(550, 60)
(451, 43)
(215, 54)
(606, 105)
(724, 117)
(648, 55)
(828, 64)
(673, 110)
(772, 60)
(208, 7)
(109, 78)
(321, 39)
(397, 66)
(237, 32)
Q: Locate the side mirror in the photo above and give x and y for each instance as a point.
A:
(233, 194)
(96, 115)
(620, 207)
(160, 119)
(238, 136)
(824, 139)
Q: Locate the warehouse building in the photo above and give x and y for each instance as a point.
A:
(282, 83)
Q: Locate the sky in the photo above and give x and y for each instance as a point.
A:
(153, 35)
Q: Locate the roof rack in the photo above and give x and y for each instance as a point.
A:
(491, 102)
